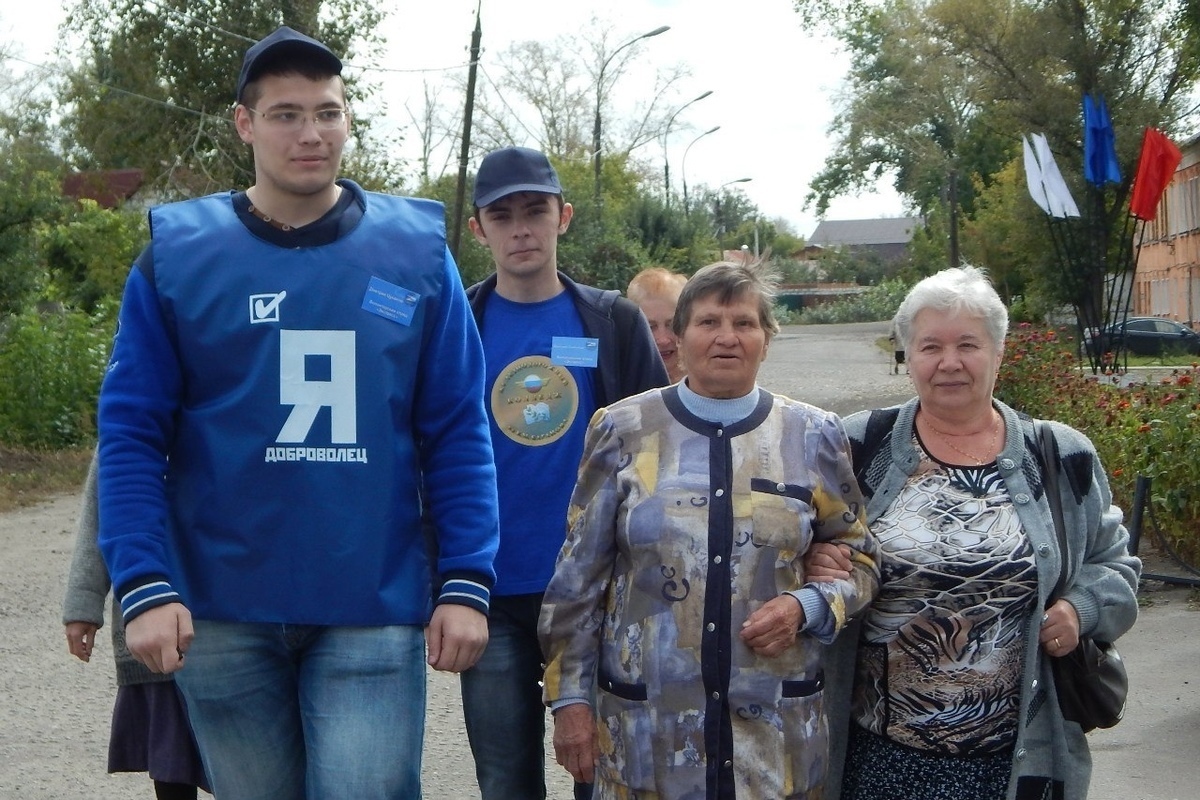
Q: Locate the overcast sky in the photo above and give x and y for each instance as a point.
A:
(774, 85)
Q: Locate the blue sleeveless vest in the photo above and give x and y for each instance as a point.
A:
(293, 481)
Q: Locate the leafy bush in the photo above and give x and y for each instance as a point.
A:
(51, 366)
(876, 303)
(1143, 429)
(786, 316)
(89, 254)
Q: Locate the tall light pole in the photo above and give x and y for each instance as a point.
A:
(683, 166)
(666, 136)
(600, 98)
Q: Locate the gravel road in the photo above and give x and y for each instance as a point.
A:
(54, 710)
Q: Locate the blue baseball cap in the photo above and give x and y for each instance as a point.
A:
(284, 42)
(511, 170)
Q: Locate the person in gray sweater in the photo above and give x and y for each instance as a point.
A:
(944, 687)
(150, 731)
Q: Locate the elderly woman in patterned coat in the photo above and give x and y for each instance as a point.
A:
(679, 597)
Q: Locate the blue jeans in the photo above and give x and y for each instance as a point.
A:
(502, 704)
(305, 712)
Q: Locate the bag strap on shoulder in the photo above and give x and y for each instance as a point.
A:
(1048, 447)
(879, 425)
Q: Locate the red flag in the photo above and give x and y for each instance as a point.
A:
(1156, 166)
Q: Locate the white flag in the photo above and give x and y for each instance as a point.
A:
(1033, 177)
(1046, 183)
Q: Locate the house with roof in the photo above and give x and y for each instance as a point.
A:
(887, 238)
(1167, 280)
(110, 188)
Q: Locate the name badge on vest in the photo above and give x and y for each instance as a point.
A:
(574, 351)
(390, 301)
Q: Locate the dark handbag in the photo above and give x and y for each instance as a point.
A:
(1091, 684)
(1091, 681)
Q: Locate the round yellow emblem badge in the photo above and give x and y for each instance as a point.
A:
(533, 401)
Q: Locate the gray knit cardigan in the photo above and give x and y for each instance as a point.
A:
(1051, 757)
(88, 585)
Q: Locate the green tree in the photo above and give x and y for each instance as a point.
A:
(89, 254)
(1008, 236)
(850, 265)
(979, 74)
(29, 198)
(603, 251)
(29, 184)
(915, 110)
(156, 88)
(667, 237)
(929, 249)
(26, 130)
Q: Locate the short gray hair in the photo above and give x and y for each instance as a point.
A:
(729, 281)
(958, 290)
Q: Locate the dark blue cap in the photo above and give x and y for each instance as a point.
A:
(512, 170)
(284, 42)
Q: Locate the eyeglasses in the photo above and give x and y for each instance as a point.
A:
(286, 119)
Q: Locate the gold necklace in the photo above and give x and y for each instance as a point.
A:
(991, 442)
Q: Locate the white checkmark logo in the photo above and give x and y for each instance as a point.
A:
(263, 309)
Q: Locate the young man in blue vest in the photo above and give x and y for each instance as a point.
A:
(294, 363)
(556, 351)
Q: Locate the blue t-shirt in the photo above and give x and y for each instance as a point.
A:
(539, 412)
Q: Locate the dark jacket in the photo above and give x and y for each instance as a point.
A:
(629, 361)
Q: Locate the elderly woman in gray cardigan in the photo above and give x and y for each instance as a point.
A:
(952, 691)
(150, 731)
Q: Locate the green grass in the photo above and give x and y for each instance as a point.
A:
(28, 477)
(1170, 360)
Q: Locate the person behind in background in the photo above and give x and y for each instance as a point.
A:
(952, 685)
(656, 291)
(556, 351)
(296, 375)
(679, 591)
(150, 731)
(897, 350)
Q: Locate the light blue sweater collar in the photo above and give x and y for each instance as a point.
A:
(717, 410)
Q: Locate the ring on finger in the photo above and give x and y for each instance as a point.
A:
(1057, 646)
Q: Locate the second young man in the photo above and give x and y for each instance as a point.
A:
(555, 351)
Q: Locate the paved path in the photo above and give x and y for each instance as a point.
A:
(54, 710)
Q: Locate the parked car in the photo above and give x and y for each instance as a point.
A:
(1145, 336)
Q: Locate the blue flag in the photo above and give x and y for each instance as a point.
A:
(1099, 147)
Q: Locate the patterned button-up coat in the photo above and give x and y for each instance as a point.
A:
(678, 530)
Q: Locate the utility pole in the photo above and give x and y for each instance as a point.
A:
(464, 153)
(953, 192)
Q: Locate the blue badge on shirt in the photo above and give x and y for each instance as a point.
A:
(390, 301)
(574, 351)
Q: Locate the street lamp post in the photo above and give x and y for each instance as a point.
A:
(600, 98)
(683, 166)
(666, 136)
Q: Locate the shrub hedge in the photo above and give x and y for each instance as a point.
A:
(1148, 429)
